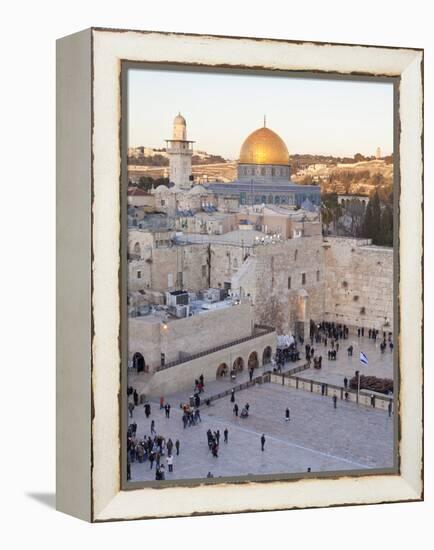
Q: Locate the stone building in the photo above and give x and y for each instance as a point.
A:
(264, 174)
(242, 270)
(171, 353)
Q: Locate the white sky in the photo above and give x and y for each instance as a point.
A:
(315, 116)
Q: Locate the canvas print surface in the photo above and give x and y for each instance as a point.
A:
(260, 267)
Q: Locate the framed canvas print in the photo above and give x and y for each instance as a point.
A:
(239, 305)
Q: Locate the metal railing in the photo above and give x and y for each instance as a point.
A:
(264, 378)
(259, 330)
(329, 390)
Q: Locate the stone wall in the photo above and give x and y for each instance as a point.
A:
(181, 377)
(286, 282)
(359, 283)
(226, 260)
(191, 335)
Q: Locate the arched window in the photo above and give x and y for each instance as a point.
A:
(266, 355)
(253, 361)
(222, 370)
(137, 248)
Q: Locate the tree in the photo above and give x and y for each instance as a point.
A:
(386, 227)
(355, 209)
(330, 210)
(146, 182)
(373, 226)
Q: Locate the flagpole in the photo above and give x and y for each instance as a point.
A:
(358, 386)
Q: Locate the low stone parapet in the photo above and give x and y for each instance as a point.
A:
(329, 390)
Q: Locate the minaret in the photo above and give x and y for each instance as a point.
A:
(180, 151)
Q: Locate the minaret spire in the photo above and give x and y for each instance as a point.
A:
(265, 121)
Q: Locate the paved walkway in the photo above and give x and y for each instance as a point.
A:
(318, 436)
(215, 386)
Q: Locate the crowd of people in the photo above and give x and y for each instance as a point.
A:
(152, 448)
(159, 450)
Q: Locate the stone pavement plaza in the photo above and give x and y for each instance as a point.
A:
(318, 436)
(334, 372)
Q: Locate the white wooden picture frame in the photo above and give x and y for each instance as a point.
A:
(88, 273)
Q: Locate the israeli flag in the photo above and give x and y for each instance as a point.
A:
(363, 359)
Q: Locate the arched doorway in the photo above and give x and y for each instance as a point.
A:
(222, 370)
(238, 364)
(253, 361)
(139, 362)
(266, 356)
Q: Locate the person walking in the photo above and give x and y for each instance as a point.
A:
(236, 409)
(151, 459)
(287, 417)
(232, 395)
(161, 402)
(345, 382)
(131, 408)
(177, 447)
(262, 442)
(389, 408)
(226, 433)
(153, 432)
(335, 400)
(169, 446)
(169, 460)
(251, 374)
(136, 397)
(373, 400)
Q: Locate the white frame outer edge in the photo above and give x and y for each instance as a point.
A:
(108, 48)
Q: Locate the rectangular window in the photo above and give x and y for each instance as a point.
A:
(204, 271)
(179, 278)
(317, 276)
(170, 280)
(289, 282)
(303, 278)
(139, 274)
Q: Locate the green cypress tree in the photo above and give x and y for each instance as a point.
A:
(376, 219)
(386, 232)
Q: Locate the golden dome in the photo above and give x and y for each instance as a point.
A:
(263, 146)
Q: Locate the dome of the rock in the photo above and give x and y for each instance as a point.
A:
(263, 146)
